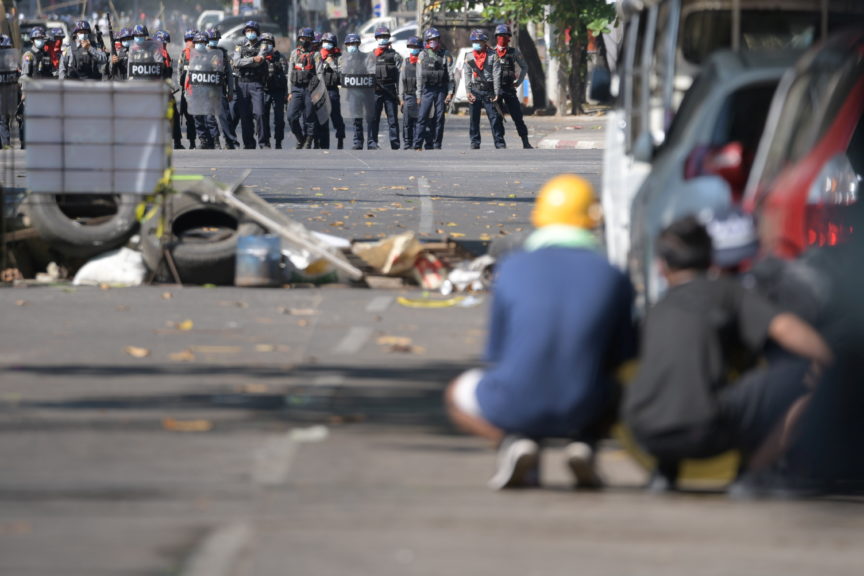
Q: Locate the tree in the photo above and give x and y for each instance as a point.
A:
(570, 17)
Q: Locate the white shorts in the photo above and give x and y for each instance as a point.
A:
(465, 392)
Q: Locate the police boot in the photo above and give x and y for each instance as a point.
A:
(278, 144)
(340, 143)
(307, 145)
(525, 143)
(178, 145)
(191, 145)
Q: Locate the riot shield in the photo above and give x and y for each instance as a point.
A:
(8, 81)
(145, 61)
(206, 81)
(320, 100)
(358, 86)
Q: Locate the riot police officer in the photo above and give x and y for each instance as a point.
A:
(388, 63)
(36, 62)
(252, 71)
(331, 72)
(356, 62)
(185, 54)
(408, 95)
(222, 120)
(510, 58)
(302, 69)
(435, 87)
(276, 90)
(482, 73)
(57, 36)
(9, 92)
(121, 67)
(168, 74)
(82, 61)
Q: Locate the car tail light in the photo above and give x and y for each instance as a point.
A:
(834, 189)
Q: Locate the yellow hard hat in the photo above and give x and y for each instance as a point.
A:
(566, 199)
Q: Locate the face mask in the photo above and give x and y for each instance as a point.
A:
(266, 48)
(138, 39)
(200, 47)
(124, 43)
(503, 40)
(251, 36)
(415, 51)
(433, 44)
(213, 43)
(383, 41)
(305, 44)
(39, 43)
(352, 49)
(327, 46)
(476, 46)
(82, 37)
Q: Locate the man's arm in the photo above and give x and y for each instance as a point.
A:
(450, 63)
(496, 75)
(798, 337)
(523, 67)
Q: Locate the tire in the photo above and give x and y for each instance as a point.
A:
(83, 225)
(205, 240)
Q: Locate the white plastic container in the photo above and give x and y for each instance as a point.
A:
(96, 137)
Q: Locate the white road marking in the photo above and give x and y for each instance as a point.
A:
(354, 340)
(329, 380)
(379, 304)
(218, 553)
(273, 460)
(427, 210)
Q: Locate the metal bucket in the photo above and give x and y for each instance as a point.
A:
(258, 261)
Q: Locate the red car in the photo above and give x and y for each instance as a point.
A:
(808, 168)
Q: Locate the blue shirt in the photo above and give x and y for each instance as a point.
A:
(561, 321)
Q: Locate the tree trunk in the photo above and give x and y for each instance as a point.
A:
(577, 73)
(535, 68)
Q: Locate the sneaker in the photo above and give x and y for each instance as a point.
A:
(581, 461)
(518, 464)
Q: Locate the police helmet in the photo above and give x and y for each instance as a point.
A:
(163, 36)
(199, 38)
(81, 26)
(414, 42)
(252, 25)
(189, 34)
(317, 39)
(57, 33)
(268, 38)
(306, 33)
(37, 33)
(503, 30)
(431, 34)
(352, 39)
(329, 37)
(125, 34)
(140, 30)
(5, 41)
(215, 34)
(479, 36)
(382, 31)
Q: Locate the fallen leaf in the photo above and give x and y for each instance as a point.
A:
(217, 349)
(370, 215)
(341, 188)
(452, 224)
(315, 188)
(21, 302)
(186, 325)
(300, 311)
(302, 323)
(398, 187)
(511, 196)
(184, 356)
(457, 235)
(104, 286)
(167, 296)
(137, 352)
(337, 223)
(186, 425)
(264, 348)
(121, 308)
(253, 389)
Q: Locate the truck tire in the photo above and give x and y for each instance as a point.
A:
(204, 240)
(83, 225)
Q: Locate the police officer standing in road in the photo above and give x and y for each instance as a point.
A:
(250, 66)
(222, 120)
(57, 36)
(435, 87)
(36, 62)
(302, 68)
(331, 72)
(482, 72)
(82, 61)
(510, 58)
(277, 89)
(388, 63)
(185, 55)
(168, 74)
(408, 93)
(120, 69)
(9, 91)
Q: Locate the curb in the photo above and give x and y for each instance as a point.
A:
(560, 144)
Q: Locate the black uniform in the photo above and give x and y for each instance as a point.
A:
(387, 65)
(82, 64)
(302, 70)
(510, 57)
(277, 95)
(331, 73)
(184, 106)
(484, 84)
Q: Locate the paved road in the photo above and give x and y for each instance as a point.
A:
(200, 431)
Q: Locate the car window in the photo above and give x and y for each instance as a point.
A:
(855, 152)
(742, 117)
(690, 105)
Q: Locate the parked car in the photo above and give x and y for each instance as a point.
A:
(810, 162)
(209, 18)
(715, 133)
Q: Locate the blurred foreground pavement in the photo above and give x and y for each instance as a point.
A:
(268, 432)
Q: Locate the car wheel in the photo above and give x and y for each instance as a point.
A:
(204, 241)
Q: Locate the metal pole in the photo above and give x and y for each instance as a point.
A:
(736, 25)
